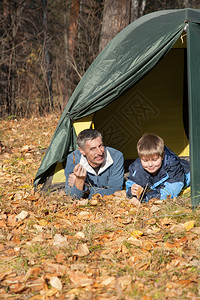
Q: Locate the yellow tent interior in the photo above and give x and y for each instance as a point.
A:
(156, 104)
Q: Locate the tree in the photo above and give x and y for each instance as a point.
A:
(47, 56)
(116, 16)
(137, 9)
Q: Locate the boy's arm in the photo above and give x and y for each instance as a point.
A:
(175, 183)
(134, 180)
(171, 185)
(136, 176)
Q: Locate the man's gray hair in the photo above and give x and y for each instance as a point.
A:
(86, 135)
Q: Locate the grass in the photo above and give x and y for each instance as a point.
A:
(155, 269)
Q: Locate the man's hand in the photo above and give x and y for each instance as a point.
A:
(80, 174)
(136, 190)
(71, 179)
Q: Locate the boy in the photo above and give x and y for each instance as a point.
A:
(157, 170)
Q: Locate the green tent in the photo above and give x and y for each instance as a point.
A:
(143, 81)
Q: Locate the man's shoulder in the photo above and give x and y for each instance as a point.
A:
(75, 153)
(114, 152)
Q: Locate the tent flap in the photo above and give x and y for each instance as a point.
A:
(194, 109)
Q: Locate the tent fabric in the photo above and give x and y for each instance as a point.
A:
(125, 60)
(194, 111)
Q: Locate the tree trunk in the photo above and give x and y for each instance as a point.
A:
(137, 9)
(71, 15)
(72, 38)
(6, 59)
(116, 16)
(47, 56)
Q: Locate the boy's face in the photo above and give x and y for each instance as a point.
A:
(152, 164)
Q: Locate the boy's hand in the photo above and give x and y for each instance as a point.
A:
(134, 201)
(136, 190)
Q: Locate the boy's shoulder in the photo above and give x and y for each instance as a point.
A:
(170, 157)
(136, 164)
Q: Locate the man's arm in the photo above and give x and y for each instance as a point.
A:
(115, 180)
(72, 184)
(80, 174)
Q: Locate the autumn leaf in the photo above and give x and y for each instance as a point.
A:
(79, 278)
(53, 247)
(82, 250)
(136, 233)
(188, 225)
(55, 283)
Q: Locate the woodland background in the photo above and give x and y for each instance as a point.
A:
(47, 45)
(50, 246)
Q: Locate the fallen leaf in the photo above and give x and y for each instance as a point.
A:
(177, 228)
(79, 235)
(79, 278)
(137, 233)
(49, 293)
(42, 222)
(196, 230)
(25, 148)
(23, 214)
(184, 281)
(60, 240)
(188, 225)
(32, 273)
(108, 281)
(15, 239)
(60, 257)
(17, 287)
(82, 250)
(58, 269)
(155, 208)
(94, 202)
(2, 224)
(55, 283)
(166, 221)
(134, 241)
(125, 280)
(12, 221)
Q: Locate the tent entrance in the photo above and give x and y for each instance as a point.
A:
(155, 104)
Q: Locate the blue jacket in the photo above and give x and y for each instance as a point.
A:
(110, 176)
(173, 175)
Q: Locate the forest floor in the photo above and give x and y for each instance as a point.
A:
(104, 248)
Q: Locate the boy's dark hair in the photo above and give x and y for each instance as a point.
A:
(86, 135)
(149, 145)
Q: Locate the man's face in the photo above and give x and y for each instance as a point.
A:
(94, 152)
(152, 163)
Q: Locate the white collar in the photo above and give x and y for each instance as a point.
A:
(108, 161)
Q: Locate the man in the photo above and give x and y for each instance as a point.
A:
(93, 168)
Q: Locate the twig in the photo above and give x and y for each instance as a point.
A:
(167, 215)
(140, 204)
